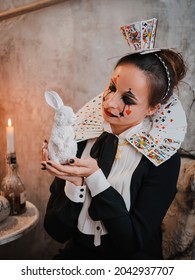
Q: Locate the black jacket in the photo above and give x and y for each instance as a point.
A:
(134, 234)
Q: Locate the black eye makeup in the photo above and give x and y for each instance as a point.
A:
(112, 86)
(109, 90)
(129, 98)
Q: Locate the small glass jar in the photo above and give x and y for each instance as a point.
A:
(13, 188)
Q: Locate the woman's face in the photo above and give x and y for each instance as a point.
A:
(126, 99)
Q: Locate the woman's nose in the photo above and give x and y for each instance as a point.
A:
(113, 100)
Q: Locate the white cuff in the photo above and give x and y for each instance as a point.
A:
(75, 193)
(97, 182)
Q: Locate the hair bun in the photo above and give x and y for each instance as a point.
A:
(176, 64)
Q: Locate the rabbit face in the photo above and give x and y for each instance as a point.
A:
(64, 116)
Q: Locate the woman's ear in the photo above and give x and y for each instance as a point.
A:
(153, 109)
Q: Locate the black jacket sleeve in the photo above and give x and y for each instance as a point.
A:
(61, 216)
(152, 191)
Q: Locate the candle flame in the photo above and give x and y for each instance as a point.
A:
(9, 122)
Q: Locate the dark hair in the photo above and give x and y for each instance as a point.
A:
(156, 72)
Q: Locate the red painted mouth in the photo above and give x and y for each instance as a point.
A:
(109, 114)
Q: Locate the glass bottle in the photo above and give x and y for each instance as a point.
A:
(13, 188)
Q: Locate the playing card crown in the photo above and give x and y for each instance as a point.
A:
(140, 35)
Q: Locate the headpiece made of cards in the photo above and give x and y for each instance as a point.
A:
(140, 35)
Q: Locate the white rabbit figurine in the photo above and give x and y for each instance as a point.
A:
(62, 144)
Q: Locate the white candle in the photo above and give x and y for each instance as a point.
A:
(10, 137)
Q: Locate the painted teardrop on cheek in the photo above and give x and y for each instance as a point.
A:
(128, 110)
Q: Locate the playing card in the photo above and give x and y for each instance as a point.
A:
(140, 35)
(89, 120)
(122, 29)
(146, 145)
(133, 32)
(146, 33)
(154, 27)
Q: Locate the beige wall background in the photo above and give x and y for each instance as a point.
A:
(71, 47)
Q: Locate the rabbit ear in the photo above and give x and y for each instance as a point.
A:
(53, 99)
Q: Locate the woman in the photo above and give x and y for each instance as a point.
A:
(109, 202)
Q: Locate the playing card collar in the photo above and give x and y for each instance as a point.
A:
(158, 138)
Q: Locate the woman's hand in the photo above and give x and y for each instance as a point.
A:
(74, 171)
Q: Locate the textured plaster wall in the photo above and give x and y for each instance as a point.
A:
(70, 47)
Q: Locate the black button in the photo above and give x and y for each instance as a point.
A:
(98, 228)
(80, 195)
(82, 190)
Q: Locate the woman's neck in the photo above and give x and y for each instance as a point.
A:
(120, 129)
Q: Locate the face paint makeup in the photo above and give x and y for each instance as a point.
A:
(110, 89)
(127, 97)
(106, 94)
(121, 114)
(115, 79)
(128, 110)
